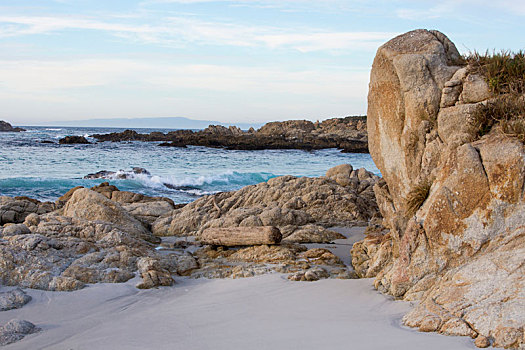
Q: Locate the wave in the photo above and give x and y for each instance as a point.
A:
(198, 184)
(181, 190)
(53, 129)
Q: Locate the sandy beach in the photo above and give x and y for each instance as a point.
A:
(266, 312)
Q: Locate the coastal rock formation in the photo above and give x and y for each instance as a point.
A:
(300, 207)
(90, 205)
(121, 174)
(16, 209)
(453, 203)
(70, 140)
(16, 330)
(348, 134)
(6, 127)
(103, 234)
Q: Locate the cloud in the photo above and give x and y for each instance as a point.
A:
(180, 31)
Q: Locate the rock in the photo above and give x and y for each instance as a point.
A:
(482, 342)
(70, 140)
(90, 205)
(149, 212)
(299, 207)
(32, 220)
(13, 299)
(15, 229)
(6, 127)
(153, 275)
(313, 234)
(348, 134)
(475, 89)
(121, 174)
(241, 236)
(460, 251)
(16, 330)
(315, 274)
(16, 209)
(413, 68)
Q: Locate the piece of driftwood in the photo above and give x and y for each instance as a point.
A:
(240, 236)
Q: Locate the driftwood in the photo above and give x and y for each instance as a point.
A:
(240, 236)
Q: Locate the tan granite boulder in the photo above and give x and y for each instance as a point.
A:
(93, 206)
(452, 202)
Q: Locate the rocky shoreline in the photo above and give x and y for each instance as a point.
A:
(446, 223)
(348, 134)
(103, 235)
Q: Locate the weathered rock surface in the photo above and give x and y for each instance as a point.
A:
(348, 134)
(6, 127)
(462, 253)
(301, 208)
(91, 239)
(16, 330)
(152, 273)
(13, 299)
(90, 205)
(16, 209)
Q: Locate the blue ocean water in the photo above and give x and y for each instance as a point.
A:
(45, 171)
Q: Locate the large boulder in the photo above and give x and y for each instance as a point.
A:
(90, 205)
(453, 203)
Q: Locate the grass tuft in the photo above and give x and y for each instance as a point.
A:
(416, 197)
(504, 71)
(507, 111)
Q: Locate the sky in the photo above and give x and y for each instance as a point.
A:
(230, 60)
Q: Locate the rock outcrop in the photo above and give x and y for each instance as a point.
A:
(6, 127)
(348, 134)
(16, 209)
(71, 140)
(105, 235)
(300, 207)
(453, 203)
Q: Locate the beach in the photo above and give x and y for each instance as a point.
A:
(264, 312)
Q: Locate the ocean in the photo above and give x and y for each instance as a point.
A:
(32, 166)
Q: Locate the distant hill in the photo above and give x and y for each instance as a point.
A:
(153, 123)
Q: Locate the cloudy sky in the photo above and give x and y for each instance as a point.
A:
(230, 60)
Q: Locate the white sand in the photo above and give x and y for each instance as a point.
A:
(266, 312)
